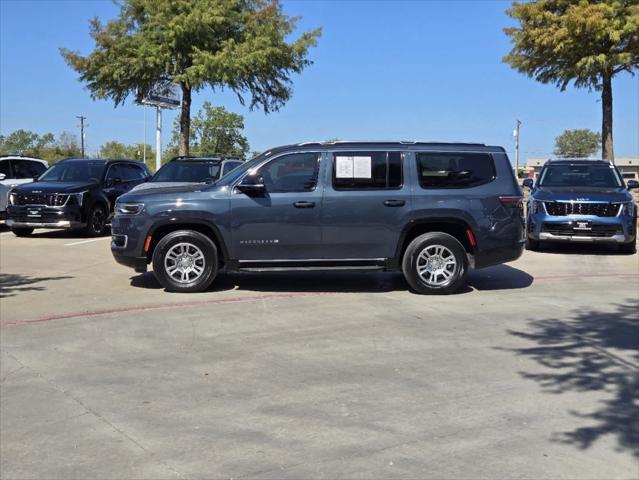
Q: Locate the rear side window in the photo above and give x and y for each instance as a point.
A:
(367, 170)
(454, 170)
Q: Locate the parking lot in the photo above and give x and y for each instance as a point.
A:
(530, 372)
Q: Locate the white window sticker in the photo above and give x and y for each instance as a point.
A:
(344, 167)
(362, 167)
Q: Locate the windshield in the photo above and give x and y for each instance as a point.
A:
(76, 171)
(195, 172)
(604, 176)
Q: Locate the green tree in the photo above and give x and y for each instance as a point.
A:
(577, 143)
(115, 149)
(214, 131)
(587, 42)
(237, 44)
(25, 142)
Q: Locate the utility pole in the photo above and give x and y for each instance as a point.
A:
(516, 135)
(82, 119)
(144, 143)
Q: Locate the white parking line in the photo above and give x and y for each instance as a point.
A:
(5, 233)
(86, 241)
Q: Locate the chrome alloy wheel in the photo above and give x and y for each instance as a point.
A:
(184, 262)
(436, 265)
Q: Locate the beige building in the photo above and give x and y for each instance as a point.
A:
(628, 166)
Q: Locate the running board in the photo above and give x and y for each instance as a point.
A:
(311, 269)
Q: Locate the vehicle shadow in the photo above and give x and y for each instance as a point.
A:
(501, 277)
(579, 249)
(591, 351)
(13, 284)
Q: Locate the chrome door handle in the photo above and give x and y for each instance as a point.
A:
(304, 204)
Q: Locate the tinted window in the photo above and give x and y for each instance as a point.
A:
(27, 168)
(116, 170)
(4, 168)
(296, 172)
(132, 173)
(597, 175)
(195, 172)
(228, 166)
(75, 171)
(367, 170)
(454, 170)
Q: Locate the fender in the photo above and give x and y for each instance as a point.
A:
(193, 221)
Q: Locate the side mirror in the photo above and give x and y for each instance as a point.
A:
(2, 176)
(35, 178)
(252, 185)
(632, 184)
(528, 183)
(111, 182)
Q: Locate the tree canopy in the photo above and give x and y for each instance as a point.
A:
(577, 143)
(31, 144)
(215, 131)
(115, 149)
(242, 45)
(586, 42)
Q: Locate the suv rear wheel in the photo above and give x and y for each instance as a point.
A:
(185, 261)
(435, 263)
(22, 232)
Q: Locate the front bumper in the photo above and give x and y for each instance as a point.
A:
(40, 216)
(581, 228)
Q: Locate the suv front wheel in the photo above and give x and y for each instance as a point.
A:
(185, 261)
(435, 263)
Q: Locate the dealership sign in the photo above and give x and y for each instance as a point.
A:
(163, 95)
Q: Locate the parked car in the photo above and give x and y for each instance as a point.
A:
(430, 210)
(73, 193)
(581, 201)
(183, 170)
(16, 170)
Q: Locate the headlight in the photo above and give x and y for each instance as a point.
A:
(535, 206)
(129, 208)
(78, 197)
(629, 209)
(12, 198)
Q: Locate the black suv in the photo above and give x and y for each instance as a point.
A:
(73, 193)
(430, 210)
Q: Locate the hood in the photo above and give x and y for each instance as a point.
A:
(582, 194)
(164, 186)
(161, 191)
(54, 187)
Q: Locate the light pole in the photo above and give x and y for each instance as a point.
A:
(516, 135)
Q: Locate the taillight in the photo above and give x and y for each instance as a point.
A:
(511, 201)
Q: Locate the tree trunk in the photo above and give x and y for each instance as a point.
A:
(185, 120)
(607, 150)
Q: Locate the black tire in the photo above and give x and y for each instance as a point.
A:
(413, 258)
(532, 244)
(629, 248)
(96, 221)
(209, 263)
(22, 232)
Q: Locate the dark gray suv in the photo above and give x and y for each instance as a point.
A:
(431, 210)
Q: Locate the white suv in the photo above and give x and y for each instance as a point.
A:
(16, 170)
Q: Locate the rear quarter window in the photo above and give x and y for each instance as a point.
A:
(454, 170)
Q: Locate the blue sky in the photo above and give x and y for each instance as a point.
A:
(417, 70)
